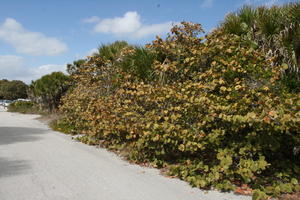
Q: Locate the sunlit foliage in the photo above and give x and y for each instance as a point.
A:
(211, 109)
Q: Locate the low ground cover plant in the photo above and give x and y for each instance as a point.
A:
(23, 107)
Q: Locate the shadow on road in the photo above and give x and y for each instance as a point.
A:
(10, 135)
(13, 167)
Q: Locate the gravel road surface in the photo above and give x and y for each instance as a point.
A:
(39, 164)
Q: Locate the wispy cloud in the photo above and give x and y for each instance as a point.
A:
(271, 3)
(27, 42)
(92, 52)
(39, 71)
(153, 29)
(93, 19)
(267, 3)
(129, 25)
(11, 66)
(207, 3)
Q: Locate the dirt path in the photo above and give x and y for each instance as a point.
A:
(37, 163)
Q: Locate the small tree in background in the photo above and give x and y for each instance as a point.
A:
(48, 90)
(12, 90)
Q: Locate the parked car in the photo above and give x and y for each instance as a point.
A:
(27, 100)
(6, 103)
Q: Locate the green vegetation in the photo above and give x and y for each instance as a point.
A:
(61, 125)
(112, 53)
(218, 111)
(27, 107)
(139, 61)
(212, 110)
(275, 30)
(47, 91)
(12, 90)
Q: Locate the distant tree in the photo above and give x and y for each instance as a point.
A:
(48, 90)
(13, 89)
(2, 82)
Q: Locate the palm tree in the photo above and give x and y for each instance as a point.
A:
(276, 30)
(111, 52)
(241, 22)
(139, 61)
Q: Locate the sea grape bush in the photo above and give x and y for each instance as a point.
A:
(214, 112)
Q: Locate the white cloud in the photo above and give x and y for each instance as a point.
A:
(13, 68)
(129, 25)
(79, 56)
(93, 19)
(91, 52)
(38, 72)
(267, 3)
(271, 3)
(207, 3)
(27, 42)
(153, 29)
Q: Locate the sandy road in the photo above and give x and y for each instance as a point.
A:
(37, 164)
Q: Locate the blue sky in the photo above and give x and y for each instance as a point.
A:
(38, 37)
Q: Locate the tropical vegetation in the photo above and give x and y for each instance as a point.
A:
(220, 110)
(275, 30)
(26, 107)
(47, 91)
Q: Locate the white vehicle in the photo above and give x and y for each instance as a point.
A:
(6, 103)
(27, 100)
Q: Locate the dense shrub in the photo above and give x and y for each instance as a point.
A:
(215, 112)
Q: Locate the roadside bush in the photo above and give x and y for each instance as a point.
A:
(23, 107)
(216, 113)
(61, 125)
